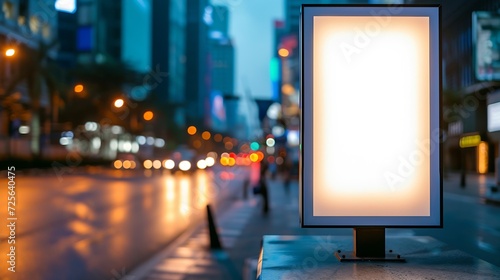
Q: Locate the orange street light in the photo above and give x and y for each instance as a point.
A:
(148, 115)
(283, 52)
(119, 103)
(205, 135)
(10, 52)
(78, 88)
(191, 130)
(287, 89)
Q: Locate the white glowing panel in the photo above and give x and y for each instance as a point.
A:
(371, 116)
(67, 6)
(374, 101)
(494, 117)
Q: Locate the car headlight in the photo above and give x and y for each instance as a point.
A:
(201, 164)
(169, 164)
(184, 165)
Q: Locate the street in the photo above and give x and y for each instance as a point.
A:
(469, 224)
(123, 123)
(101, 226)
(97, 226)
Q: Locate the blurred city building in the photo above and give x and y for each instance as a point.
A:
(67, 28)
(91, 50)
(470, 68)
(120, 72)
(99, 32)
(199, 17)
(286, 59)
(130, 59)
(275, 65)
(169, 57)
(27, 30)
(471, 77)
(221, 52)
(136, 38)
(285, 75)
(222, 60)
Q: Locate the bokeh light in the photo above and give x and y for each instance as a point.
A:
(197, 144)
(270, 159)
(228, 145)
(201, 164)
(78, 88)
(127, 164)
(245, 148)
(148, 164)
(287, 89)
(206, 135)
(254, 157)
(184, 165)
(191, 130)
(169, 164)
(224, 159)
(119, 103)
(270, 142)
(148, 115)
(260, 155)
(212, 155)
(254, 146)
(210, 161)
(283, 52)
(10, 52)
(156, 164)
(217, 137)
(279, 160)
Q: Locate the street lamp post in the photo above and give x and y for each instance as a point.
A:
(9, 54)
(148, 117)
(80, 91)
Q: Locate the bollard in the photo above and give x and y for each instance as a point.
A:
(214, 235)
(246, 183)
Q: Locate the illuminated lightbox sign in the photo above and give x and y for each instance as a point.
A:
(486, 44)
(67, 6)
(493, 112)
(470, 141)
(370, 116)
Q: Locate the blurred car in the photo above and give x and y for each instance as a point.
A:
(181, 159)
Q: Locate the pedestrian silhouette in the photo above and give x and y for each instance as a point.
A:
(263, 188)
(287, 175)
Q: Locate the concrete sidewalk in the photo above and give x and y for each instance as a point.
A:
(240, 228)
(189, 257)
(482, 186)
(242, 225)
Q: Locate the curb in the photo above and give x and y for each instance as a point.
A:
(492, 195)
(144, 268)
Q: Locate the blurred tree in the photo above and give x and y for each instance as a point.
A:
(164, 125)
(36, 72)
(103, 83)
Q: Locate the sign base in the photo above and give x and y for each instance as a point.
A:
(349, 256)
(369, 245)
